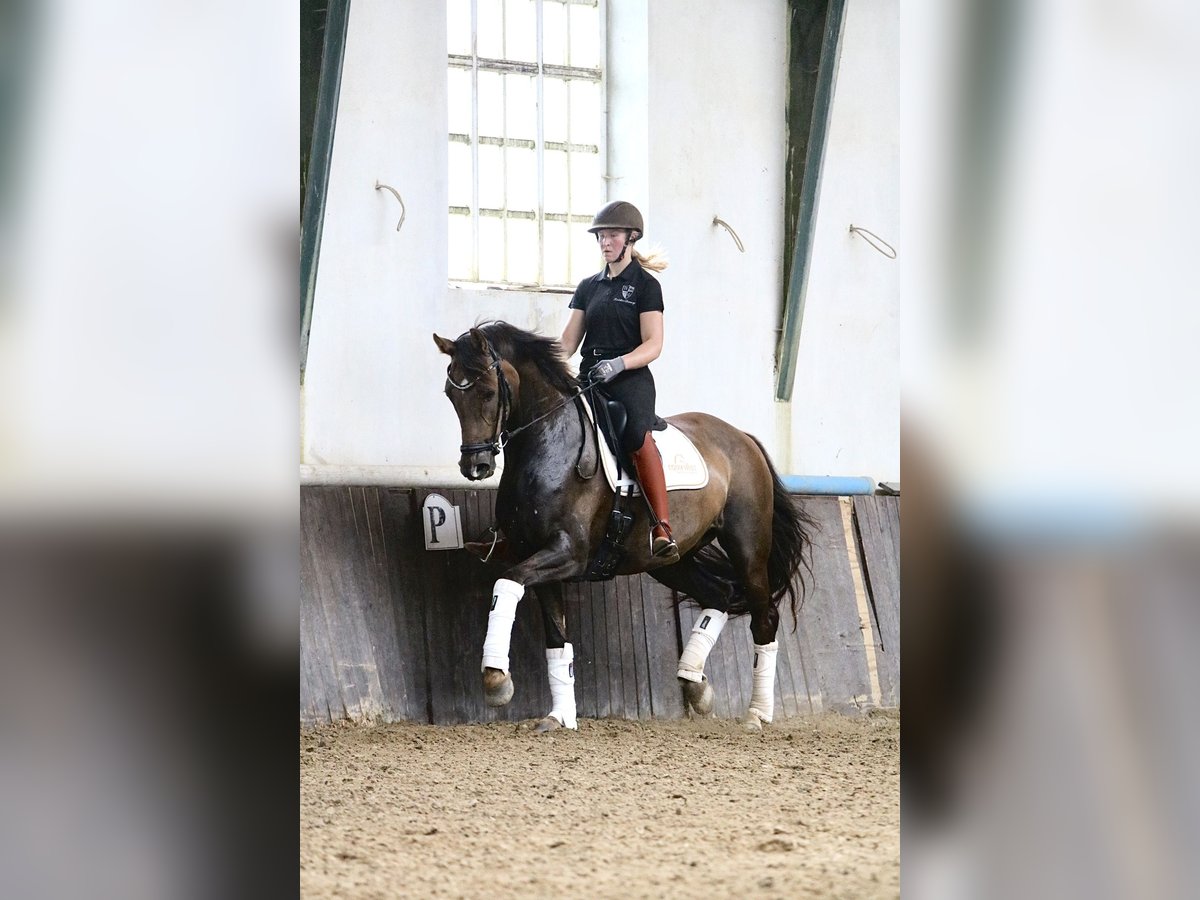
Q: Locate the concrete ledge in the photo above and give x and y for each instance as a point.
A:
(394, 476)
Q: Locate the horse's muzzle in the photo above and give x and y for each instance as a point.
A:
(478, 465)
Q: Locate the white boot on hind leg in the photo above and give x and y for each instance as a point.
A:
(704, 635)
(560, 666)
(762, 697)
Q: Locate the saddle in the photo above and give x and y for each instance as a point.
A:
(609, 418)
(683, 466)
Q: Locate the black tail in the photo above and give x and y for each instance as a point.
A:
(791, 553)
(791, 534)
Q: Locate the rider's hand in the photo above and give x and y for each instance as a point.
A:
(607, 369)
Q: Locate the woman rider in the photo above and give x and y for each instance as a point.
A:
(618, 315)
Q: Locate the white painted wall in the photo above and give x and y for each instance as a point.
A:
(845, 410)
(367, 386)
(717, 142)
(696, 129)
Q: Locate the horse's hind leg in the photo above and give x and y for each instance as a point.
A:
(746, 537)
(560, 660)
(713, 595)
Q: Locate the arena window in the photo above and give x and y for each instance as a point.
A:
(527, 144)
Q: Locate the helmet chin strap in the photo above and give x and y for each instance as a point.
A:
(626, 246)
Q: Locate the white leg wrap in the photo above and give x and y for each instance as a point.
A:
(762, 698)
(505, 597)
(704, 634)
(560, 664)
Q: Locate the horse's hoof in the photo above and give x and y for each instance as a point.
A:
(497, 687)
(547, 724)
(699, 695)
(752, 721)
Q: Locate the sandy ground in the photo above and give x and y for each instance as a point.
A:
(808, 808)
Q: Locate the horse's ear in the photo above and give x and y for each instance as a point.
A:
(481, 341)
(444, 344)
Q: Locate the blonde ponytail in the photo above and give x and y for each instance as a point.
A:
(656, 260)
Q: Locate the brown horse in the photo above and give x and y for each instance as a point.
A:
(741, 537)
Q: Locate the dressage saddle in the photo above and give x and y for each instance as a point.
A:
(612, 418)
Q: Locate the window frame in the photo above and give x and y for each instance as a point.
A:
(540, 70)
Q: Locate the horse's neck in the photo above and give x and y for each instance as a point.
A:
(544, 444)
(534, 398)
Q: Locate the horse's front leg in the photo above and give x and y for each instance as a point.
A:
(557, 561)
(560, 660)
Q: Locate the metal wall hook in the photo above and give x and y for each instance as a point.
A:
(396, 194)
(733, 234)
(866, 235)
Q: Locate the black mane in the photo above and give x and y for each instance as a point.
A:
(516, 346)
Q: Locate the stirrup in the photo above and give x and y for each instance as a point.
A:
(661, 547)
(664, 547)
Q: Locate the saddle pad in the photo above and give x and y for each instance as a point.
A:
(683, 466)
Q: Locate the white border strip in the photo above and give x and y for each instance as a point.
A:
(394, 476)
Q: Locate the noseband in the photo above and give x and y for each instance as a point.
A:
(496, 444)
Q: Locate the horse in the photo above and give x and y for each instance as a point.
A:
(742, 538)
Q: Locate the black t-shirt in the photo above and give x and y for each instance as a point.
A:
(612, 307)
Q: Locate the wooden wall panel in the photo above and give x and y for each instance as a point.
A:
(350, 651)
(877, 525)
(662, 649)
(832, 630)
(390, 630)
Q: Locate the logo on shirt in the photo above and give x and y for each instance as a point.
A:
(626, 291)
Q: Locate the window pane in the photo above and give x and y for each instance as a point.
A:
(556, 181)
(520, 30)
(522, 250)
(585, 112)
(491, 249)
(491, 104)
(522, 179)
(556, 253)
(554, 33)
(521, 106)
(458, 95)
(586, 185)
(554, 94)
(459, 179)
(491, 29)
(460, 247)
(458, 27)
(491, 177)
(585, 36)
(585, 255)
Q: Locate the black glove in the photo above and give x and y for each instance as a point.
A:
(607, 369)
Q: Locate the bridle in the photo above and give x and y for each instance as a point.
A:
(501, 438)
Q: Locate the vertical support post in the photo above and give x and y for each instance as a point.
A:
(797, 281)
(337, 17)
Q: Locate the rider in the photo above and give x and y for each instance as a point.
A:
(618, 315)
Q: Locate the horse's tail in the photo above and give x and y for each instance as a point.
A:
(791, 535)
(791, 554)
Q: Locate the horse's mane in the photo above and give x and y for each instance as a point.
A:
(516, 346)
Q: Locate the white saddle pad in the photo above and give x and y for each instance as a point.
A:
(683, 466)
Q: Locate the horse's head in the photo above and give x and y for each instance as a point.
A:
(481, 388)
